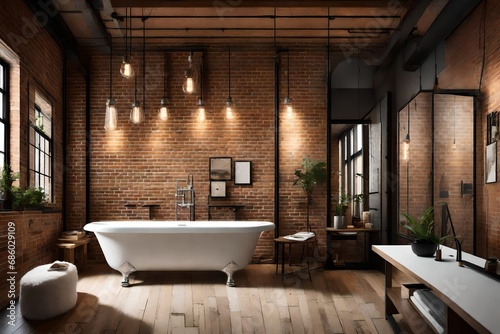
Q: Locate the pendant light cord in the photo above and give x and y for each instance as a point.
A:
(165, 74)
(229, 72)
(201, 78)
(144, 63)
(288, 74)
(110, 66)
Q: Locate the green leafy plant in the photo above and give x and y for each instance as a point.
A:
(32, 197)
(312, 173)
(6, 188)
(422, 229)
(342, 204)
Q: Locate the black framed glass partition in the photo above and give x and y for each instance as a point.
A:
(436, 162)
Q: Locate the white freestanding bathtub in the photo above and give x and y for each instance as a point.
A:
(130, 246)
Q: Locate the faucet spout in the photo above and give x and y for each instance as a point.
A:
(459, 250)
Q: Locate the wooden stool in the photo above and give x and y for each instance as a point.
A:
(283, 241)
(69, 246)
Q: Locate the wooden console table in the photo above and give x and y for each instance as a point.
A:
(343, 234)
(471, 298)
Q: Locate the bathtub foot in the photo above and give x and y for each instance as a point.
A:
(230, 269)
(126, 269)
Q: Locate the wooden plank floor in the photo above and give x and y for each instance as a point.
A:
(341, 301)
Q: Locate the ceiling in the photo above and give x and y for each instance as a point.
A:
(375, 30)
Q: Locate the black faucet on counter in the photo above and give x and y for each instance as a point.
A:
(458, 245)
(463, 263)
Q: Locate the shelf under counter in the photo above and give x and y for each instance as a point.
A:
(471, 299)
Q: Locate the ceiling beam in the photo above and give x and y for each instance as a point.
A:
(252, 3)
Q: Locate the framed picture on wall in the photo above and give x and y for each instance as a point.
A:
(490, 171)
(220, 169)
(242, 172)
(218, 188)
(492, 127)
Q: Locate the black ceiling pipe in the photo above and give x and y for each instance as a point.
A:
(450, 17)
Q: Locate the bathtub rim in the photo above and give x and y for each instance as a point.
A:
(153, 226)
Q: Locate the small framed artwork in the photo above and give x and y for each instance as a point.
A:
(220, 169)
(492, 127)
(242, 172)
(218, 188)
(491, 163)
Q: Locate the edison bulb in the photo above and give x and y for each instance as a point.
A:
(163, 113)
(201, 114)
(136, 114)
(111, 119)
(188, 85)
(126, 69)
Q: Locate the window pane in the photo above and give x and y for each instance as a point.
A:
(359, 137)
(1, 105)
(2, 84)
(2, 138)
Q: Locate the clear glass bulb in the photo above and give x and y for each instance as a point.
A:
(111, 119)
(163, 113)
(230, 109)
(126, 69)
(288, 107)
(201, 114)
(188, 86)
(406, 150)
(136, 114)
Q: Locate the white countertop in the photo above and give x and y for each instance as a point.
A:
(473, 292)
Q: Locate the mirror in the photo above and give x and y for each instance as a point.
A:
(436, 162)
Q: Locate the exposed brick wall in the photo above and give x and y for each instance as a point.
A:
(35, 235)
(139, 164)
(464, 53)
(40, 65)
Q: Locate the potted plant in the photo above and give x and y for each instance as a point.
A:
(311, 174)
(425, 241)
(31, 198)
(340, 210)
(6, 189)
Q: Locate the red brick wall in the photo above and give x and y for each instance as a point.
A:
(463, 69)
(40, 65)
(139, 164)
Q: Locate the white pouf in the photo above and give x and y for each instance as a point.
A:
(46, 294)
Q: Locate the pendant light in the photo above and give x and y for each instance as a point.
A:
(188, 85)
(126, 69)
(230, 107)
(201, 112)
(163, 113)
(137, 113)
(111, 118)
(406, 141)
(288, 100)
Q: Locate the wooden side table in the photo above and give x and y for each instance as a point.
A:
(69, 246)
(282, 241)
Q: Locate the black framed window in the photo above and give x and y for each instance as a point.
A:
(40, 158)
(351, 148)
(4, 113)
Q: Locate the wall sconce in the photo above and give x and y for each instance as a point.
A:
(111, 118)
(288, 101)
(230, 107)
(163, 113)
(126, 69)
(188, 85)
(201, 112)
